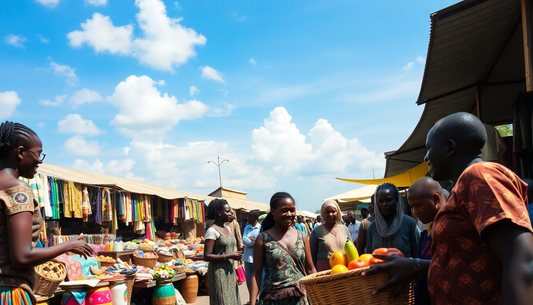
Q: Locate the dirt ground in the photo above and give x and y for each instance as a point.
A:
(203, 298)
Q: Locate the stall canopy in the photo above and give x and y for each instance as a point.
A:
(238, 200)
(306, 214)
(348, 201)
(475, 63)
(401, 180)
(133, 186)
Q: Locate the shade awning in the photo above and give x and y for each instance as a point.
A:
(358, 194)
(475, 53)
(405, 179)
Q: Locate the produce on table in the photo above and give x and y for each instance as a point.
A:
(140, 253)
(357, 263)
(338, 258)
(366, 257)
(350, 250)
(388, 251)
(164, 272)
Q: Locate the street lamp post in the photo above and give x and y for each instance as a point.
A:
(218, 163)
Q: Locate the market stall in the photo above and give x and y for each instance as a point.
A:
(118, 218)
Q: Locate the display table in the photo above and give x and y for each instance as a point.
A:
(195, 258)
(125, 255)
(153, 283)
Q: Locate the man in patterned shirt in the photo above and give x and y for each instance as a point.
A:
(482, 250)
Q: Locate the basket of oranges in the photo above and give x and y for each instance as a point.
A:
(344, 283)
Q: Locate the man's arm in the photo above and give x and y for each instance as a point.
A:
(513, 245)
(248, 243)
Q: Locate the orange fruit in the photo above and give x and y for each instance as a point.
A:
(339, 269)
(338, 258)
(375, 261)
(357, 263)
(366, 257)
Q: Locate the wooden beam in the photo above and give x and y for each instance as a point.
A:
(526, 7)
(478, 103)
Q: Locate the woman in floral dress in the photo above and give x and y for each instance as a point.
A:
(285, 255)
(219, 252)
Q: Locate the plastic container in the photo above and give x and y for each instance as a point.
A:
(119, 293)
(119, 245)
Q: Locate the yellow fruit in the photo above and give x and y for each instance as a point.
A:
(366, 257)
(350, 250)
(338, 258)
(339, 269)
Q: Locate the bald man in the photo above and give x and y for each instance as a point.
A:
(426, 197)
(482, 250)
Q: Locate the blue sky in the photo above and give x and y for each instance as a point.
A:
(293, 93)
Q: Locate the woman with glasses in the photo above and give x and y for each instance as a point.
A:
(20, 219)
(391, 228)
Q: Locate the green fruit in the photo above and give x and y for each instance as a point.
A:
(351, 251)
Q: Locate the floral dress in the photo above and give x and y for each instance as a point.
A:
(282, 273)
(223, 289)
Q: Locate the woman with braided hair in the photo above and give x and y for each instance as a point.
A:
(20, 218)
(219, 252)
(391, 228)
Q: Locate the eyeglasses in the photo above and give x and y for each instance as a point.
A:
(38, 155)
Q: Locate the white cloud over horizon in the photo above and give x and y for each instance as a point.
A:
(74, 123)
(49, 3)
(59, 99)
(78, 146)
(193, 90)
(15, 40)
(210, 73)
(143, 111)
(95, 2)
(252, 62)
(9, 100)
(63, 70)
(165, 43)
(85, 96)
(43, 39)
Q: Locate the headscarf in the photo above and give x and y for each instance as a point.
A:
(383, 229)
(331, 203)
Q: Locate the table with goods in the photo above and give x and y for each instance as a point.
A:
(121, 269)
(344, 282)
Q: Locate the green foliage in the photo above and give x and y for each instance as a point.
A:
(317, 211)
(505, 130)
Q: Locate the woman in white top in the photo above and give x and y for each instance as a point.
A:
(219, 246)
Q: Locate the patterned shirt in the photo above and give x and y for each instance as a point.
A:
(12, 201)
(464, 270)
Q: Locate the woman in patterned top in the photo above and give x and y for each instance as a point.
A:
(20, 219)
(285, 255)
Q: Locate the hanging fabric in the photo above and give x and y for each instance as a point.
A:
(73, 199)
(107, 208)
(86, 205)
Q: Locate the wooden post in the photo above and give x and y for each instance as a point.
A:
(478, 104)
(526, 7)
(115, 211)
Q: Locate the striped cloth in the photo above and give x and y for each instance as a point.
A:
(14, 296)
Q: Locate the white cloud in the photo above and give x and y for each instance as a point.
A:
(193, 90)
(100, 33)
(43, 40)
(66, 71)
(85, 96)
(95, 2)
(78, 146)
(74, 123)
(59, 99)
(126, 150)
(177, 6)
(165, 43)
(113, 167)
(144, 111)
(408, 66)
(252, 62)
(421, 60)
(41, 124)
(221, 111)
(15, 40)
(280, 145)
(210, 73)
(237, 17)
(224, 91)
(49, 3)
(9, 100)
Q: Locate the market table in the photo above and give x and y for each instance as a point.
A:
(124, 255)
(153, 283)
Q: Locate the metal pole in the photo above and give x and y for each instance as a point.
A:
(218, 163)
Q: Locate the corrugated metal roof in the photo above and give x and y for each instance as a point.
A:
(473, 44)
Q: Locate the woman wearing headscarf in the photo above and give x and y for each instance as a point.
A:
(391, 228)
(329, 237)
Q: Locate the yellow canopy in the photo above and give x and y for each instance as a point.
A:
(404, 179)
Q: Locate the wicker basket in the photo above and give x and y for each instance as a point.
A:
(146, 262)
(130, 280)
(189, 288)
(344, 288)
(106, 264)
(146, 247)
(164, 258)
(44, 285)
(178, 254)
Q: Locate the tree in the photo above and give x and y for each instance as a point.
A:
(505, 130)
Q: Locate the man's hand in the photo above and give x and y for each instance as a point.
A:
(252, 239)
(402, 271)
